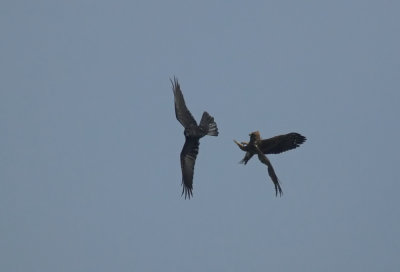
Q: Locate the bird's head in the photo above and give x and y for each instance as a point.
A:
(255, 136)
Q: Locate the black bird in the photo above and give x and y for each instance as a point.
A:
(193, 133)
(274, 145)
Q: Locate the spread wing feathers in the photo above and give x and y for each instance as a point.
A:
(208, 125)
(188, 159)
(271, 172)
(281, 143)
(182, 113)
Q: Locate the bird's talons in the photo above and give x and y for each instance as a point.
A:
(241, 146)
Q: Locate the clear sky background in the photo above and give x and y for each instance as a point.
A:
(89, 159)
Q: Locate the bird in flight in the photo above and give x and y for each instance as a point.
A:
(274, 145)
(193, 133)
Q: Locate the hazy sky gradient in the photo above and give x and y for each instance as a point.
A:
(89, 158)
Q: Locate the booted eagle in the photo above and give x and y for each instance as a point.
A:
(274, 145)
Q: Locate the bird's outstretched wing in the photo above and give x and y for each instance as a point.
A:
(271, 172)
(188, 159)
(182, 113)
(281, 143)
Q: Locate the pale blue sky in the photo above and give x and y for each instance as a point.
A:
(89, 159)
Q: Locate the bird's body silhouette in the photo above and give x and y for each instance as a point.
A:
(274, 145)
(193, 133)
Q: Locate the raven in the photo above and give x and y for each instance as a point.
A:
(193, 133)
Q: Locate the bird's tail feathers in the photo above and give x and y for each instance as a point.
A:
(208, 124)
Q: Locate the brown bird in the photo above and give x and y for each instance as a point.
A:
(193, 133)
(274, 145)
